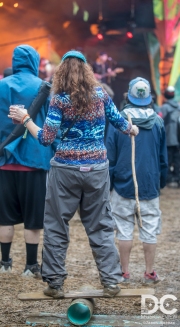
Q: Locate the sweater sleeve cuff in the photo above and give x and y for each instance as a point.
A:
(128, 130)
(39, 136)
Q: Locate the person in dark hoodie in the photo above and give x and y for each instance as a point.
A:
(151, 168)
(23, 164)
(171, 113)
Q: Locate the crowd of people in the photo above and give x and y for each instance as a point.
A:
(83, 141)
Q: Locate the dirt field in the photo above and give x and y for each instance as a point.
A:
(82, 269)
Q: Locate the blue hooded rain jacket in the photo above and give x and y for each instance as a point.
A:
(21, 88)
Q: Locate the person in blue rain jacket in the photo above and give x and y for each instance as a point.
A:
(24, 163)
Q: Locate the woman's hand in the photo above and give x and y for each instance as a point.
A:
(134, 131)
(17, 113)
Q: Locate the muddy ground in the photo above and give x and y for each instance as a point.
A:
(82, 269)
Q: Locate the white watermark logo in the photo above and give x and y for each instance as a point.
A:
(158, 304)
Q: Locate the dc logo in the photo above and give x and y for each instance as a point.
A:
(145, 309)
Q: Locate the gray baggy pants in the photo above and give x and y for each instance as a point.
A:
(67, 189)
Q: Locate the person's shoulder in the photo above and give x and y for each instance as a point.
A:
(159, 122)
(2, 82)
(5, 81)
(169, 104)
(165, 105)
(6, 84)
(63, 97)
(158, 117)
(59, 99)
(100, 92)
(98, 88)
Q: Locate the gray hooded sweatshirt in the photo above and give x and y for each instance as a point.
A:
(171, 111)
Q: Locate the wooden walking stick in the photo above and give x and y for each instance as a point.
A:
(134, 174)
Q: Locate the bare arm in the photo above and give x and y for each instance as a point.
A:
(32, 128)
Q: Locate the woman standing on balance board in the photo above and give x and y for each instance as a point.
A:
(79, 171)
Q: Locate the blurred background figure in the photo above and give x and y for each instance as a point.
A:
(7, 72)
(104, 71)
(171, 113)
(46, 70)
(42, 68)
(155, 105)
(100, 67)
(50, 69)
(123, 102)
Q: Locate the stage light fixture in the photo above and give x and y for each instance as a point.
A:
(129, 35)
(100, 36)
(1, 4)
(131, 26)
(16, 5)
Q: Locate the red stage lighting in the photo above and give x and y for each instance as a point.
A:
(129, 35)
(100, 36)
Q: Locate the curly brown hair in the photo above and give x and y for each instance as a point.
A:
(76, 78)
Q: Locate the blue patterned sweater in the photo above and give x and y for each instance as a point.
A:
(84, 143)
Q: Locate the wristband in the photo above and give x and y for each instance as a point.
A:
(27, 121)
(22, 120)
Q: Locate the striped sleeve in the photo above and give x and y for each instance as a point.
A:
(48, 133)
(114, 115)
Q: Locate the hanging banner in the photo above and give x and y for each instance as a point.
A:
(154, 58)
(167, 19)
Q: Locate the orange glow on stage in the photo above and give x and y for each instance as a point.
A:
(66, 24)
(16, 5)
